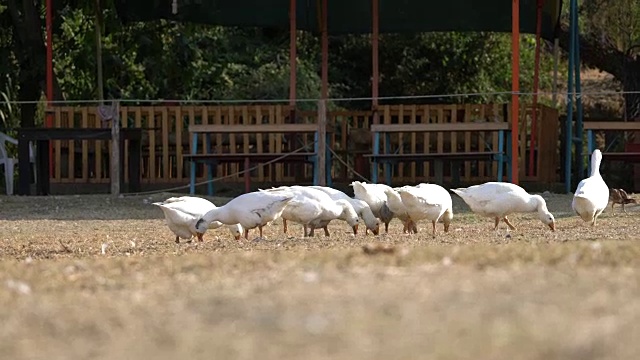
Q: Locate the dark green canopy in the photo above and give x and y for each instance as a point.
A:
(351, 16)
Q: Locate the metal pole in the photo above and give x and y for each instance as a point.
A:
(515, 87)
(569, 123)
(579, 135)
(322, 105)
(556, 57)
(49, 75)
(98, 26)
(536, 86)
(292, 53)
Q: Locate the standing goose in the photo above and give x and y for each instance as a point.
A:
(592, 195)
(428, 201)
(182, 213)
(374, 196)
(251, 210)
(394, 201)
(499, 199)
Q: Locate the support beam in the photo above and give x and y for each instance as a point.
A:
(49, 74)
(515, 87)
(375, 76)
(568, 132)
(536, 88)
(292, 53)
(324, 94)
(98, 29)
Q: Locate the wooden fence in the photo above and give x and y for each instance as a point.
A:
(166, 139)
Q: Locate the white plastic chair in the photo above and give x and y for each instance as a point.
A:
(10, 162)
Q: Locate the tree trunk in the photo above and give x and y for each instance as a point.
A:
(30, 51)
(600, 52)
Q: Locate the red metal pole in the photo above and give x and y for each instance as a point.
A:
(536, 85)
(374, 49)
(325, 52)
(292, 52)
(515, 87)
(49, 76)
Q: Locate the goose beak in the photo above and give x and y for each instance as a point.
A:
(446, 227)
(238, 236)
(376, 229)
(199, 235)
(355, 229)
(552, 226)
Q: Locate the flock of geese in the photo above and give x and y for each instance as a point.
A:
(314, 207)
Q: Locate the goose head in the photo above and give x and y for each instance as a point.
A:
(349, 215)
(543, 213)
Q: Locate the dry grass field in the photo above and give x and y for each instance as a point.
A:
(469, 294)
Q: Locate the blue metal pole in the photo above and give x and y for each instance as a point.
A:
(579, 127)
(569, 124)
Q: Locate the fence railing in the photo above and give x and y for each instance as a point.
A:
(166, 139)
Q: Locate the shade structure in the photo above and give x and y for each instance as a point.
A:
(353, 16)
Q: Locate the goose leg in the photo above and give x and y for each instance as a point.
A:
(623, 210)
(177, 239)
(305, 229)
(612, 205)
(246, 234)
(509, 223)
(433, 222)
(497, 223)
(326, 231)
(414, 227)
(284, 225)
(386, 227)
(199, 236)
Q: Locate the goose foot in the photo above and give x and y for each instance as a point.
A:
(177, 239)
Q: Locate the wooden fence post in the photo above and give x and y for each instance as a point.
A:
(322, 142)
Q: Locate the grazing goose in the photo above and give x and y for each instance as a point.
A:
(362, 208)
(251, 210)
(315, 209)
(182, 213)
(394, 201)
(499, 199)
(428, 201)
(592, 195)
(619, 196)
(374, 196)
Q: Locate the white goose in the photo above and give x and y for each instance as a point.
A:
(362, 208)
(394, 201)
(182, 213)
(251, 210)
(315, 209)
(428, 201)
(592, 195)
(374, 196)
(499, 199)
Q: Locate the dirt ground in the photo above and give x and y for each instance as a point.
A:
(469, 294)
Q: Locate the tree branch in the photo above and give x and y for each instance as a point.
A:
(597, 52)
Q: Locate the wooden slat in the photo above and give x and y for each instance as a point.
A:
(481, 145)
(165, 144)
(427, 139)
(124, 116)
(260, 147)
(272, 140)
(57, 147)
(400, 142)
(233, 168)
(467, 142)
(262, 128)
(480, 126)
(71, 147)
(218, 120)
(413, 143)
(137, 122)
(152, 145)
(179, 159)
(611, 125)
(85, 146)
(245, 136)
(279, 173)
